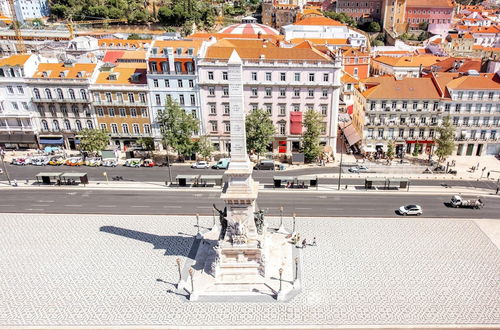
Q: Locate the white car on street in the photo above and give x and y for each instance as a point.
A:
(358, 169)
(200, 165)
(410, 210)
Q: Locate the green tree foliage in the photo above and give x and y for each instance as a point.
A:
(147, 143)
(260, 131)
(423, 26)
(416, 150)
(445, 140)
(377, 43)
(341, 17)
(182, 11)
(93, 140)
(370, 27)
(390, 150)
(177, 127)
(205, 147)
(133, 10)
(310, 138)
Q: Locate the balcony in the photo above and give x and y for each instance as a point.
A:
(26, 128)
(120, 103)
(130, 135)
(46, 100)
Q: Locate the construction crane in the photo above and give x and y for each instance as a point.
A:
(20, 46)
(71, 24)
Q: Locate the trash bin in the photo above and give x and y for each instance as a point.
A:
(277, 183)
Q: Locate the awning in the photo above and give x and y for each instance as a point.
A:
(73, 175)
(17, 138)
(49, 174)
(351, 135)
(52, 141)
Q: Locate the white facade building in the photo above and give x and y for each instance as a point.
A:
(26, 9)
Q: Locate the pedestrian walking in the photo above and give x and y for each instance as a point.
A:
(304, 243)
(314, 241)
(488, 175)
(498, 188)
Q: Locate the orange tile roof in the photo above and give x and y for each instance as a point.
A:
(133, 55)
(54, 70)
(430, 3)
(123, 43)
(482, 81)
(485, 29)
(267, 53)
(405, 89)
(351, 51)
(318, 21)
(347, 78)
(14, 60)
(219, 36)
(318, 41)
(244, 43)
(409, 61)
(184, 44)
(465, 65)
(123, 76)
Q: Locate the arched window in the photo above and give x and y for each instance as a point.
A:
(52, 110)
(45, 125)
(60, 93)
(67, 124)
(71, 93)
(89, 124)
(37, 93)
(78, 125)
(55, 125)
(48, 93)
(83, 93)
(75, 110)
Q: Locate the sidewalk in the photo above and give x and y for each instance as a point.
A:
(325, 189)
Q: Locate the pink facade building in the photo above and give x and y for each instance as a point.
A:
(285, 82)
(429, 11)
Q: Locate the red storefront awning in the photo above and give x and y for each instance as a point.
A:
(296, 123)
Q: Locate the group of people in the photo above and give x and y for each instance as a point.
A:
(296, 241)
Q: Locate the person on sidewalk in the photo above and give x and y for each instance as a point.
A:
(488, 175)
(314, 241)
(496, 193)
(304, 243)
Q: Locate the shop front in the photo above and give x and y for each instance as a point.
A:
(18, 141)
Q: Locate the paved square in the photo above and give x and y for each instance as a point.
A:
(118, 270)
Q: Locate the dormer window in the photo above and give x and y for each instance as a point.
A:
(179, 51)
(154, 50)
(135, 77)
(165, 51)
(190, 51)
(80, 74)
(62, 74)
(113, 76)
(45, 74)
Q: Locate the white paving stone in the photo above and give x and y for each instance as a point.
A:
(64, 270)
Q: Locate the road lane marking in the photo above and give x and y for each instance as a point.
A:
(140, 206)
(106, 205)
(42, 201)
(303, 208)
(40, 205)
(34, 209)
(197, 195)
(204, 207)
(7, 205)
(73, 205)
(330, 209)
(172, 207)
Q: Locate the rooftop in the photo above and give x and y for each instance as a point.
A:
(430, 3)
(409, 61)
(318, 21)
(407, 88)
(123, 75)
(14, 60)
(60, 71)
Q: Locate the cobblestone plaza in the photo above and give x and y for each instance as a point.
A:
(79, 270)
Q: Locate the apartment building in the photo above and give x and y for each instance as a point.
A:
(60, 94)
(409, 110)
(172, 72)
(283, 81)
(403, 66)
(17, 123)
(361, 11)
(26, 9)
(120, 100)
(429, 11)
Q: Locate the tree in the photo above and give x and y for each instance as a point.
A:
(205, 147)
(373, 27)
(341, 17)
(177, 127)
(445, 140)
(93, 140)
(310, 138)
(377, 43)
(148, 143)
(390, 150)
(416, 150)
(423, 26)
(260, 131)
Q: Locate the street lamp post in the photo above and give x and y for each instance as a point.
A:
(198, 223)
(281, 278)
(296, 269)
(341, 156)
(191, 274)
(178, 261)
(281, 216)
(293, 231)
(2, 155)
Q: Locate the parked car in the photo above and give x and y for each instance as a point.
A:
(148, 163)
(56, 161)
(265, 165)
(93, 162)
(358, 169)
(200, 165)
(40, 161)
(411, 209)
(75, 161)
(133, 162)
(458, 201)
(20, 161)
(222, 164)
(109, 162)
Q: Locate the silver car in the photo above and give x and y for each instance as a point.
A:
(410, 210)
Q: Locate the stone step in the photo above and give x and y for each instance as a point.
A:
(245, 289)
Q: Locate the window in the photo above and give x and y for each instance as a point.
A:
(179, 83)
(36, 92)
(191, 83)
(210, 75)
(411, 132)
(447, 107)
(153, 67)
(282, 109)
(282, 92)
(471, 95)
(48, 93)
(282, 76)
(213, 108)
(75, 110)
(114, 128)
(83, 94)
(435, 106)
(71, 94)
(155, 83)
(426, 105)
(133, 112)
(135, 128)
(415, 105)
(158, 99)
(355, 72)
(324, 93)
(55, 125)
(225, 91)
(45, 125)
(25, 106)
(370, 133)
(490, 95)
(254, 76)
(226, 109)
(311, 77)
(405, 105)
(192, 99)
(181, 100)
(326, 77)
(254, 106)
(100, 112)
(254, 91)
(282, 128)
(297, 76)
(167, 83)
(67, 125)
(224, 75)
(268, 76)
(211, 91)
(268, 91)
(310, 106)
(109, 98)
(401, 132)
(20, 89)
(269, 109)
(90, 125)
(431, 133)
(213, 126)
(481, 95)
(131, 97)
(125, 128)
(142, 97)
(372, 105)
(10, 89)
(111, 112)
(144, 112)
(147, 129)
(103, 127)
(296, 92)
(324, 110)
(123, 113)
(458, 106)
(310, 93)
(227, 127)
(296, 107)
(380, 132)
(460, 95)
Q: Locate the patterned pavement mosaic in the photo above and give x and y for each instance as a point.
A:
(119, 270)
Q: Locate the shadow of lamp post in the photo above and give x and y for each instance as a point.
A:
(191, 274)
(296, 269)
(281, 279)
(293, 231)
(178, 261)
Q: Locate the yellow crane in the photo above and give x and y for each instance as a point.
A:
(71, 24)
(20, 46)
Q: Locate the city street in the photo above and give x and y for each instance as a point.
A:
(160, 174)
(362, 204)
